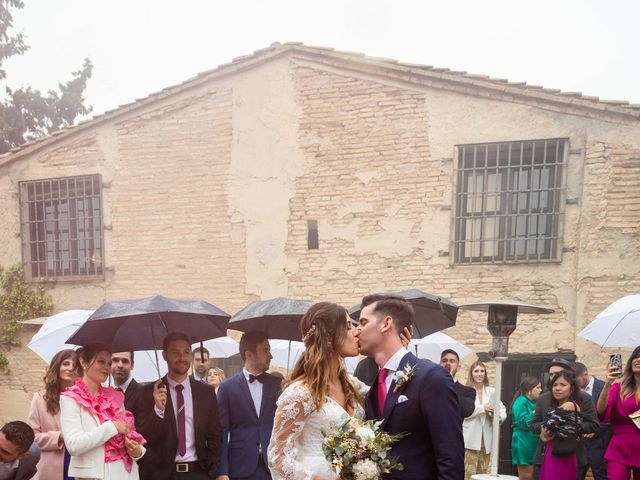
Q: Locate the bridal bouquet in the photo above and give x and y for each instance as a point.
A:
(358, 449)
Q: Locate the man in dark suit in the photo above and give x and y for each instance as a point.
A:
(247, 403)
(200, 364)
(544, 405)
(597, 444)
(411, 396)
(121, 366)
(450, 361)
(19, 454)
(179, 418)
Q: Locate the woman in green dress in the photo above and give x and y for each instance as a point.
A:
(523, 442)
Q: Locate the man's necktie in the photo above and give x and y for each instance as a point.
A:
(182, 438)
(118, 389)
(382, 388)
(253, 378)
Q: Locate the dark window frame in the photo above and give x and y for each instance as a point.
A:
(62, 229)
(508, 202)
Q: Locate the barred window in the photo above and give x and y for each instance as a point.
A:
(508, 201)
(61, 221)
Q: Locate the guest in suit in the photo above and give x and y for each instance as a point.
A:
(200, 360)
(545, 404)
(477, 428)
(247, 403)
(44, 416)
(596, 445)
(450, 361)
(99, 434)
(19, 454)
(523, 442)
(179, 417)
(121, 366)
(413, 396)
(215, 376)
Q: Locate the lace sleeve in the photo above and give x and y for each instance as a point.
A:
(294, 407)
(361, 387)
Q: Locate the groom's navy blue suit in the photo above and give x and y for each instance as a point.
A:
(428, 412)
(245, 434)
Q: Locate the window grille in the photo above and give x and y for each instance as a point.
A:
(61, 220)
(508, 201)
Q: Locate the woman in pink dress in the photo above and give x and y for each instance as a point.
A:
(620, 398)
(562, 426)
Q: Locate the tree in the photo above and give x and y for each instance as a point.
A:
(25, 114)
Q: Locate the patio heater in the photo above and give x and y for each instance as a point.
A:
(501, 322)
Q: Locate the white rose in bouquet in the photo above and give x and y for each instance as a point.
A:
(366, 470)
(365, 433)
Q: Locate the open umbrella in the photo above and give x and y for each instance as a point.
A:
(432, 313)
(279, 317)
(431, 346)
(618, 325)
(56, 329)
(142, 324)
(285, 354)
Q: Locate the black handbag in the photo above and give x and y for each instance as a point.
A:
(563, 447)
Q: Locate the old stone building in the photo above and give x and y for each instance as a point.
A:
(306, 172)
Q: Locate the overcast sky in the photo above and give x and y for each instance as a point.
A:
(141, 46)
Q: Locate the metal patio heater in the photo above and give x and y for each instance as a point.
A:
(501, 322)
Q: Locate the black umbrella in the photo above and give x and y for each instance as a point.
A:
(279, 317)
(432, 313)
(142, 324)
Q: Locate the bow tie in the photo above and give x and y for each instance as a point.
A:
(253, 378)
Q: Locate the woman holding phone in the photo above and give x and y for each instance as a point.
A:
(619, 404)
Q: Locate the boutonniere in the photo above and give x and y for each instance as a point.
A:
(404, 376)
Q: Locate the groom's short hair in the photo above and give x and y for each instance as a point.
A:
(394, 306)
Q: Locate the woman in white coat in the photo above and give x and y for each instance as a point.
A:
(98, 432)
(478, 427)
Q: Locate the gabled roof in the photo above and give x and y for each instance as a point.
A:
(409, 73)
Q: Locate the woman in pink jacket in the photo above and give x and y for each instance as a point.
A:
(44, 416)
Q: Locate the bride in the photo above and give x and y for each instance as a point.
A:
(321, 393)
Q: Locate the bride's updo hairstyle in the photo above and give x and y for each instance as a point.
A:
(324, 329)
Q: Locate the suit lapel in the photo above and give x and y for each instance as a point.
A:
(370, 401)
(268, 391)
(244, 387)
(168, 410)
(392, 395)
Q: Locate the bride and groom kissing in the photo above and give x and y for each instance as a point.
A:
(421, 405)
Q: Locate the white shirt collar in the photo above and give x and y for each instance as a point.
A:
(172, 383)
(589, 387)
(394, 362)
(125, 385)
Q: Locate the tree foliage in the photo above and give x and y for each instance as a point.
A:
(25, 113)
(18, 301)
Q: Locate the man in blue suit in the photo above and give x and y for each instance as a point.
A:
(411, 396)
(19, 454)
(247, 405)
(596, 445)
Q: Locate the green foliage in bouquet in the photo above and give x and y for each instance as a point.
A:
(359, 449)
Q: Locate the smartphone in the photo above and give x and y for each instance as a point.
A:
(615, 360)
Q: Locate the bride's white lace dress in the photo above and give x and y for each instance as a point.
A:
(295, 451)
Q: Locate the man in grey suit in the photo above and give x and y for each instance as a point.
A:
(544, 405)
(19, 454)
(596, 445)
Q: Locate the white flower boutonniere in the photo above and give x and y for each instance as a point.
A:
(402, 377)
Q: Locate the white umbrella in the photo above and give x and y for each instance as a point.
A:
(286, 353)
(431, 346)
(618, 325)
(56, 329)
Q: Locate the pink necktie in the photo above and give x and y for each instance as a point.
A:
(182, 438)
(382, 388)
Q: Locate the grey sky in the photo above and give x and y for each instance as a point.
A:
(141, 46)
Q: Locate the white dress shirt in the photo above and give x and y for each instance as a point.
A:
(589, 388)
(125, 385)
(8, 470)
(255, 389)
(189, 427)
(392, 365)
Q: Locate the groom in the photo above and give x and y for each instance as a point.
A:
(422, 404)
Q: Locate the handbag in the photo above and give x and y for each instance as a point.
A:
(635, 418)
(563, 447)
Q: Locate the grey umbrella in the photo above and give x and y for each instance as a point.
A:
(432, 313)
(279, 317)
(142, 324)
